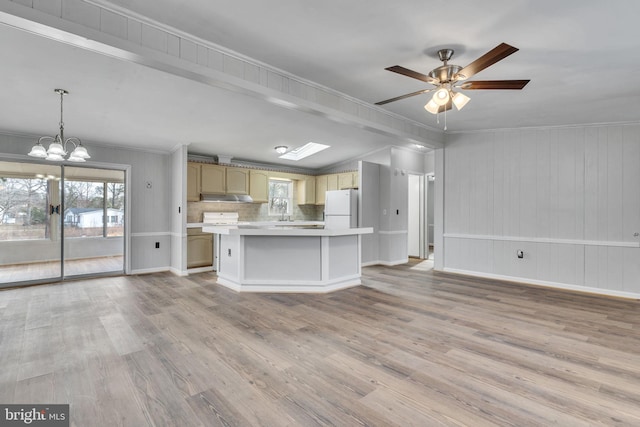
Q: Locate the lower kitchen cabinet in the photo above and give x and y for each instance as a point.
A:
(199, 248)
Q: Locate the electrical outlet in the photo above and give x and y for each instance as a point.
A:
(157, 245)
(520, 254)
(229, 252)
(149, 184)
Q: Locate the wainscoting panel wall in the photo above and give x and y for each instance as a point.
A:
(569, 198)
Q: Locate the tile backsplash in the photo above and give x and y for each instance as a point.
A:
(251, 211)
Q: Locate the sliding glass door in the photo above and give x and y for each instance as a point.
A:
(59, 221)
(30, 249)
(93, 221)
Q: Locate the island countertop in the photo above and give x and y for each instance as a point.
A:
(289, 229)
(297, 223)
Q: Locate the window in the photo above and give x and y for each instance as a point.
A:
(23, 208)
(280, 197)
(88, 204)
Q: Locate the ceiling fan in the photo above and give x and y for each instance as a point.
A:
(447, 78)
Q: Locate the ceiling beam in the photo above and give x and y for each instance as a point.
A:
(129, 38)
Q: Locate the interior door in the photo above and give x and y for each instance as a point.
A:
(30, 223)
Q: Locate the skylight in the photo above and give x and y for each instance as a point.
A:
(306, 150)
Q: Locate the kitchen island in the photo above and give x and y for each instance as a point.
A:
(287, 258)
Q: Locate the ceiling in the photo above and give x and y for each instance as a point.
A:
(581, 57)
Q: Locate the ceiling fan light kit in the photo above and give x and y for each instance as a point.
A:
(446, 79)
(460, 100)
(432, 107)
(441, 97)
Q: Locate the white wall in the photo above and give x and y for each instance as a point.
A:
(179, 210)
(369, 215)
(568, 197)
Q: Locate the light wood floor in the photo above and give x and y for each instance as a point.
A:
(11, 273)
(409, 348)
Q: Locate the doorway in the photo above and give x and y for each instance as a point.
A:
(59, 222)
(420, 216)
(415, 220)
(430, 200)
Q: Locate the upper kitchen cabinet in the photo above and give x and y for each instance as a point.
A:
(212, 179)
(193, 182)
(321, 188)
(216, 179)
(326, 183)
(259, 186)
(237, 181)
(332, 183)
(307, 191)
(347, 180)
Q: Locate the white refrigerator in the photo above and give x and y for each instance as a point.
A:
(341, 209)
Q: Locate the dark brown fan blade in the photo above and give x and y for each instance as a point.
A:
(494, 84)
(410, 73)
(398, 98)
(494, 55)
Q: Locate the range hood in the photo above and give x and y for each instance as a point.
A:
(226, 198)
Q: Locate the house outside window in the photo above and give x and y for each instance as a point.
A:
(280, 197)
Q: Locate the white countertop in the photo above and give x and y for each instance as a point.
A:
(283, 229)
(261, 223)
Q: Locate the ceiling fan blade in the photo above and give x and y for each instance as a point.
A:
(494, 84)
(414, 74)
(398, 98)
(494, 55)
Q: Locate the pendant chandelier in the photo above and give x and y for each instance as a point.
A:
(57, 150)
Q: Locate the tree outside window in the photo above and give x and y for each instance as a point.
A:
(280, 197)
(23, 208)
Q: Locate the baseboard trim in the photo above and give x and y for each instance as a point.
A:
(178, 272)
(293, 287)
(369, 263)
(385, 263)
(556, 285)
(198, 270)
(150, 270)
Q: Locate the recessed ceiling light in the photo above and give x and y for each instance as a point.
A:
(306, 150)
(419, 145)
